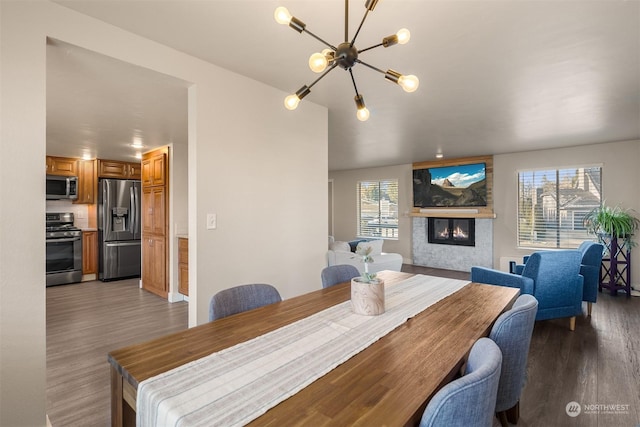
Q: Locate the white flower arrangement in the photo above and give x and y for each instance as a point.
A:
(364, 252)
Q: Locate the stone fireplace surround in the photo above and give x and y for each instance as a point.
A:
(451, 257)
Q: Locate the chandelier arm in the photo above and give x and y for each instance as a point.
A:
(354, 82)
(346, 21)
(370, 66)
(370, 47)
(320, 40)
(359, 27)
(322, 75)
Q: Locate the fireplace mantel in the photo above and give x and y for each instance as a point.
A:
(452, 214)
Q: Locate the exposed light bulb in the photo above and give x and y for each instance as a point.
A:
(363, 114)
(318, 62)
(282, 15)
(403, 36)
(291, 102)
(409, 83)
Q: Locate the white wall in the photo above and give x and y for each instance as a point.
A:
(22, 207)
(620, 179)
(345, 204)
(265, 182)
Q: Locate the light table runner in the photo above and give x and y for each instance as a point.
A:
(238, 384)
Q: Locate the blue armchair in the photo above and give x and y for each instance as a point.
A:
(589, 268)
(553, 277)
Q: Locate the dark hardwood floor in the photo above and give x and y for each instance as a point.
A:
(86, 321)
(595, 366)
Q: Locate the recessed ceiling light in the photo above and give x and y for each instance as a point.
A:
(138, 155)
(439, 155)
(137, 142)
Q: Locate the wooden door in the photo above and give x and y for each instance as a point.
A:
(154, 170)
(183, 266)
(135, 171)
(112, 169)
(154, 265)
(87, 182)
(63, 166)
(153, 210)
(89, 252)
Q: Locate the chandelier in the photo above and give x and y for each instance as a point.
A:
(345, 55)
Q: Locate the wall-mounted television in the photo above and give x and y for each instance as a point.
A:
(450, 186)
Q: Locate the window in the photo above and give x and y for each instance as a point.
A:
(378, 209)
(552, 205)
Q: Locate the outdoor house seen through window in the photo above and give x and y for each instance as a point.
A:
(552, 205)
(378, 209)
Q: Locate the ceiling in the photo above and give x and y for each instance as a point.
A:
(495, 76)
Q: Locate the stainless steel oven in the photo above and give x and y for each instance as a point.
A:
(64, 250)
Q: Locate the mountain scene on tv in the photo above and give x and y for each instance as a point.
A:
(450, 186)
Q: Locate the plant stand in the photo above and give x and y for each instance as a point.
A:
(615, 272)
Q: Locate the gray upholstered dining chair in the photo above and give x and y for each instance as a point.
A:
(335, 274)
(512, 333)
(242, 298)
(470, 400)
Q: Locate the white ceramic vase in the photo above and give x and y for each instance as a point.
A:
(367, 298)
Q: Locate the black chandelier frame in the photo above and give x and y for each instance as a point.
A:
(346, 55)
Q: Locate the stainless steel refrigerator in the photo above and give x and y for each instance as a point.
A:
(119, 228)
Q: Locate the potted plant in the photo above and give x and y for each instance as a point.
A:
(609, 223)
(367, 291)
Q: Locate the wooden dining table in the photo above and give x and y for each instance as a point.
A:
(387, 384)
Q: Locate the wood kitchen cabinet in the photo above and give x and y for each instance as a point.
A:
(63, 166)
(153, 210)
(154, 265)
(117, 169)
(87, 182)
(155, 203)
(183, 266)
(153, 169)
(89, 252)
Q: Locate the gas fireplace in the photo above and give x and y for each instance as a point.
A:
(452, 231)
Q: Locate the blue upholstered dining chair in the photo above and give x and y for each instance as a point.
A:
(335, 274)
(471, 399)
(512, 333)
(242, 298)
(590, 270)
(553, 277)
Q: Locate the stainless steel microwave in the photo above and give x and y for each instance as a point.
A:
(62, 187)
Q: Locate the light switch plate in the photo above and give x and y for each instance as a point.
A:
(212, 221)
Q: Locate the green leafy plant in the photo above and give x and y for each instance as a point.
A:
(613, 221)
(364, 252)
